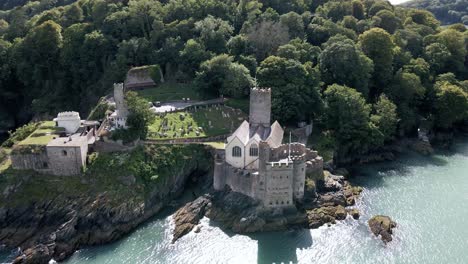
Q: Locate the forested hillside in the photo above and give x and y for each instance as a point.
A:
(447, 11)
(368, 71)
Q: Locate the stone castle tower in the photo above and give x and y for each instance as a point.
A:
(260, 107)
(121, 108)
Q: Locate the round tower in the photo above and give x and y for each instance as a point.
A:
(219, 177)
(260, 107)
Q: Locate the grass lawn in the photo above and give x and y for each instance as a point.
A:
(223, 120)
(216, 145)
(43, 134)
(170, 91)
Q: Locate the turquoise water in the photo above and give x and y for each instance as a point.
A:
(426, 196)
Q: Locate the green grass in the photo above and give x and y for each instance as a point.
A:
(170, 91)
(42, 135)
(216, 145)
(174, 126)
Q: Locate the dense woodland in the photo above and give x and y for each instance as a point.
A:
(365, 70)
(447, 11)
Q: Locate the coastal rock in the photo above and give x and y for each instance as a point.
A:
(37, 254)
(354, 213)
(422, 147)
(187, 217)
(382, 226)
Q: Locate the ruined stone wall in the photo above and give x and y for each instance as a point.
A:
(260, 107)
(139, 78)
(67, 160)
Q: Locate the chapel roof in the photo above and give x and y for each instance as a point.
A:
(246, 132)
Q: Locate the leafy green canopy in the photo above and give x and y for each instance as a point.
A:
(61, 55)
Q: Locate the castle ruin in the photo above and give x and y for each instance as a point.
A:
(256, 163)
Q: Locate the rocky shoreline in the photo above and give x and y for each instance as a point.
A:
(56, 228)
(242, 214)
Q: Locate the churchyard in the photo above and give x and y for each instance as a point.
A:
(205, 121)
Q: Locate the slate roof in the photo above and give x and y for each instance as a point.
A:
(245, 132)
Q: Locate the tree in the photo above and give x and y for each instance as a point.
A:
(335, 61)
(451, 104)
(455, 43)
(358, 9)
(385, 117)
(214, 33)
(220, 75)
(139, 117)
(348, 119)
(299, 50)
(407, 92)
(38, 62)
(193, 55)
(73, 15)
(388, 21)
(266, 37)
(377, 44)
(295, 88)
(239, 45)
(437, 54)
(293, 21)
(143, 13)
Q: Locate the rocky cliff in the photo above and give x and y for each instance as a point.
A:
(51, 217)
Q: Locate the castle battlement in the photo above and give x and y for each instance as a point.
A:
(68, 114)
(279, 165)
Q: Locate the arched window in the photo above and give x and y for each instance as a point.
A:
(64, 153)
(236, 151)
(254, 150)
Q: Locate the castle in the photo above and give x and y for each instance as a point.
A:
(257, 164)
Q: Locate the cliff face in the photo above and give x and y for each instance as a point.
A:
(51, 217)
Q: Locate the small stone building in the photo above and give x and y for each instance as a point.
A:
(257, 164)
(67, 155)
(64, 154)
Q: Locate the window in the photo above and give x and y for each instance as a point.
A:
(254, 150)
(64, 152)
(236, 151)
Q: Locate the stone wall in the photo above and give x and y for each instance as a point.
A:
(138, 78)
(67, 160)
(30, 161)
(279, 185)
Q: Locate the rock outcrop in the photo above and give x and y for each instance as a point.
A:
(382, 226)
(242, 214)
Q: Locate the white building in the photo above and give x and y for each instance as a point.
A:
(71, 121)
